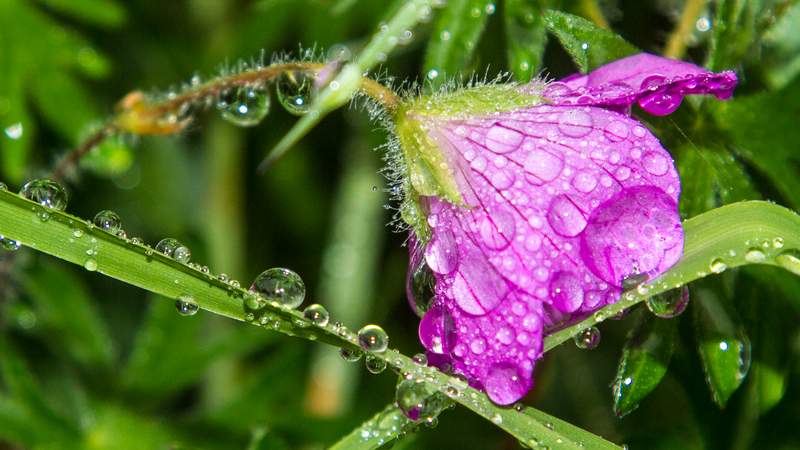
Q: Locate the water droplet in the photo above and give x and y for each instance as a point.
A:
(418, 401)
(717, 265)
(655, 163)
(566, 292)
(505, 383)
(441, 253)
(90, 265)
(777, 242)
(501, 139)
(372, 338)
(755, 255)
(588, 338)
(350, 354)
(174, 249)
(420, 359)
(14, 131)
(575, 123)
(374, 364)
(45, 192)
(316, 314)
(3, 186)
(564, 217)
(186, 306)
(245, 106)
(422, 288)
(295, 91)
(108, 221)
(542, 166)
(669, 304)
(280, 285)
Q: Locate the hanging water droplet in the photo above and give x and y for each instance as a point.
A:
(245, 106)
(374, 364)
(717, 265)
(186, 306)
(316, 314)
(669, 304)
(420, 359)
(174, 249)
(9, 245)
(45, 192)
(109, 221)
(280, 285)
(588, 338)
(418, 401)
(350, 354)
(372, 338)
(295, 90)
(90, 264)
(755, 255)
(422, 287)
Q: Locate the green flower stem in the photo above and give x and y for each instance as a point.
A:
(72, 239)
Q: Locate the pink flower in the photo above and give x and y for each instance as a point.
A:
(532, 204)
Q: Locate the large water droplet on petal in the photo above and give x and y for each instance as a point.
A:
(437, 331)
(245, 106)
(45, 192)
(497, 229)
(441, 253)
(280, 285)
(505, 383)
(477, 287)
(564, 217)
(566, 292)
(295, 90)
(638, 231)
(542, 166)
(500, 139)
(656, 163)
(575, 123)
(372, 338)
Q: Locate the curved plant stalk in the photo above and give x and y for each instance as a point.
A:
(747, 232)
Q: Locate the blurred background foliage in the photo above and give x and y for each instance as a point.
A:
(86, 362)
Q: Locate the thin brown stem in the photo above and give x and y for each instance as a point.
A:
(71, 159)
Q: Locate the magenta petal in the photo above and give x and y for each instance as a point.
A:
(657, 84)
(556, 196)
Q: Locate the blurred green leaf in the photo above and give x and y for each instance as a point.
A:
(526, 37)
(170, 351)
(589, 45)
(68, 314)
(111, 158)
(722, 342)
(40, 56)
(107, 13)
(782, 48)
(455, 37)
(644, 362)
(763, 130)
(711, 178)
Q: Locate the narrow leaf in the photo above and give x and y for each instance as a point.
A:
(526, 37)
(455, 37)
(722, 343)
(589, 45)
(644, 362)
